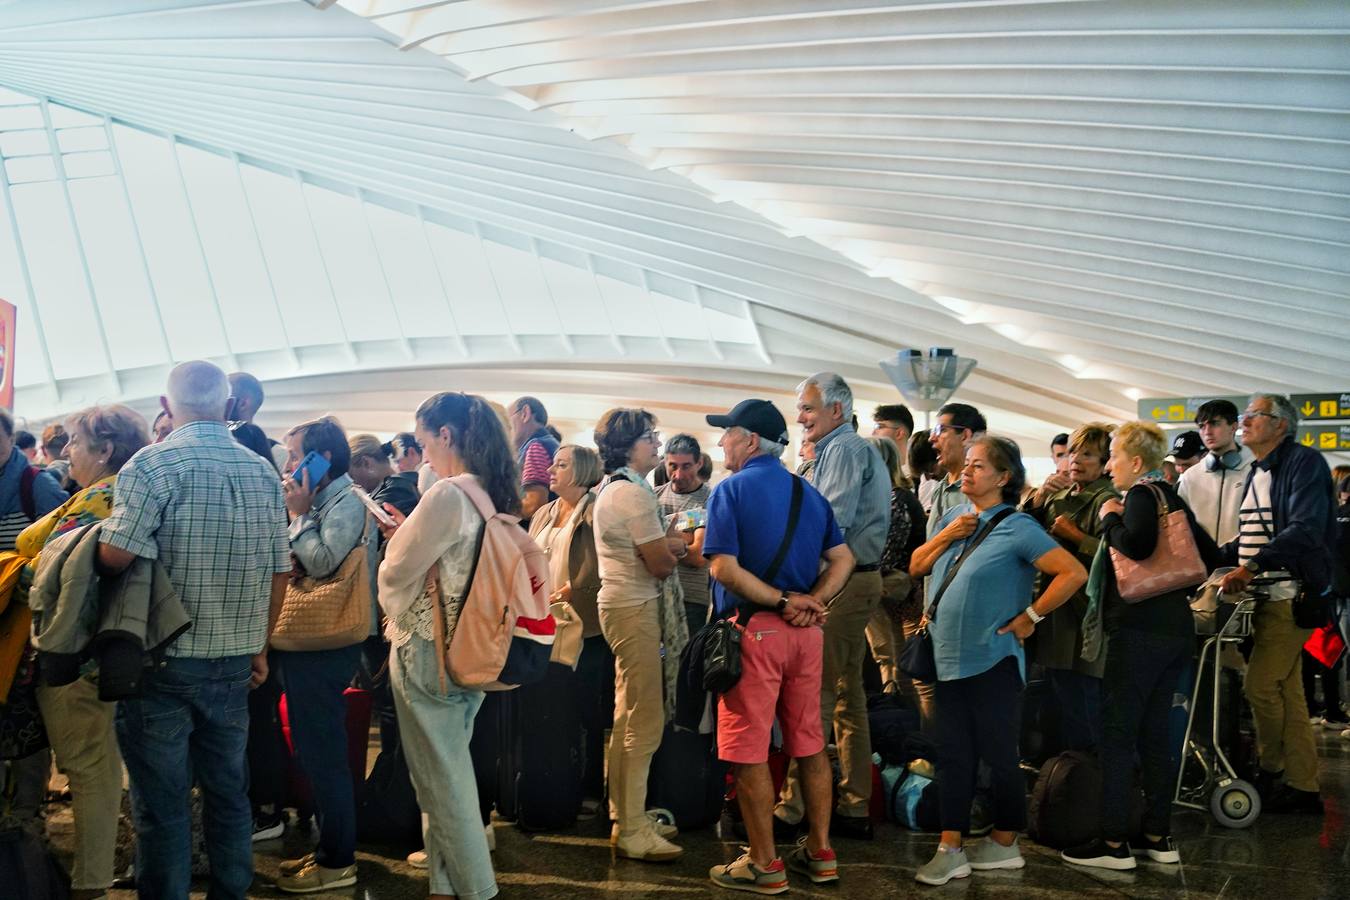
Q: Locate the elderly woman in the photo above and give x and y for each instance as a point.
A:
(565, 529)
(1069, 507)
(977, 630)
(328, 523)
(1148, 645)
(79, 725)
(635, 555)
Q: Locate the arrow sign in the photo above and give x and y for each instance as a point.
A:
(1307, 408)
(1308, 439)
(1182, 409)
(1329, 438)
(1323, 406)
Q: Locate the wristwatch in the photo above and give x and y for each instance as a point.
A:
(1035, 617)
(782, 602)
(1251, 566)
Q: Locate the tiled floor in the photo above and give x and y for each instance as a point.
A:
(1279, 858)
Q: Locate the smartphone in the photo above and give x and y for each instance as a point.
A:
(378, 511)
(317, 467)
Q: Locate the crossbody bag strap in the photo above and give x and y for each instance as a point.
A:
(965, 554)
(745, 610)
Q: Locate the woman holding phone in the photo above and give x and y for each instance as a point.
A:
(461, 436)
(328, 523)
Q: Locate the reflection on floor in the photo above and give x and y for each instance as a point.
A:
(1280, 858)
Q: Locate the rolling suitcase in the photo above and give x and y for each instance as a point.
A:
(687, 778)
(542, 757)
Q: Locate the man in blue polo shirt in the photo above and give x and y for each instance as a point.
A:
(768, 566)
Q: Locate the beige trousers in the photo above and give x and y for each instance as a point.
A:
(1274, 688)
(634, 634)
(843, 705)
(80, 728)
(886, 634)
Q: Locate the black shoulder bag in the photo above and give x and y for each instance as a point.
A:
(916, 660)
(722, 649)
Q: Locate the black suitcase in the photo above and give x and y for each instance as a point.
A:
(542, 755)
(688, 779)
(387, 810)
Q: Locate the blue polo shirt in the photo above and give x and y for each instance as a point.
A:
(994, 585)
(747, 515)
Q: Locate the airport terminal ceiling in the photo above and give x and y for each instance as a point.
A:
(674, 204)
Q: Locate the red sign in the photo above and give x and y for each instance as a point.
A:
(8, 314)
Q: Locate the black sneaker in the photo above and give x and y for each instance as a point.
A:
(268, 829)
(1162, 850)
(1291, 800)
(1100, 855)
(859, 828)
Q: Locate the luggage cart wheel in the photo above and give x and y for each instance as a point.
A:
(1235, 804)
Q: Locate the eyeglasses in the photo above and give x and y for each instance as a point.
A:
(936, 430)
(1252, 414)
(653, 436)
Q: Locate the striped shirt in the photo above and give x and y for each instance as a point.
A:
(1256, 520)
(211, 511)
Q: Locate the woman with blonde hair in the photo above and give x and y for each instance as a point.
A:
(565, 529)
(1148, 645)
(460, 435)
(99, 441)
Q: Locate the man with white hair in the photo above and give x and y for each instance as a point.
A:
(211, 511)
(850, 473)
(767, 536)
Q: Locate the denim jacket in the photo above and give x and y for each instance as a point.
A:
(335, 525)
(1304, 513)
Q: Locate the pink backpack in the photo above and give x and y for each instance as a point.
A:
(503, 634)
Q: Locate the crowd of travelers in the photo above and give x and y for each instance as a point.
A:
(156, 579)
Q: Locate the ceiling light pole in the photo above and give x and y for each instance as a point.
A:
(927, 381)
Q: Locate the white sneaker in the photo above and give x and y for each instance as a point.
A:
(661, 828)
(418, 859)
(647, 846)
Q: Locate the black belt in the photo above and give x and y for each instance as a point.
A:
(870, 567)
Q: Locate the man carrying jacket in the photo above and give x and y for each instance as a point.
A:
(1286, 535)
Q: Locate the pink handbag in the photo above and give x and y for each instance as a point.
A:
(1175, 562)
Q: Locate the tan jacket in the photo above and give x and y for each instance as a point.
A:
(583, 565)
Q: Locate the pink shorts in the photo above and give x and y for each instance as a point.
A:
(780, 678)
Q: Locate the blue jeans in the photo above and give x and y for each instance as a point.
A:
(435, 726)
(314, 683)
(191, 717)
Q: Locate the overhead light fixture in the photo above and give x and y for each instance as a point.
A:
(927, 381)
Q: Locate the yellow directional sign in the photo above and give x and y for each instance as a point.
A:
(1328, 438)
(1179, 409)
(1327, 405)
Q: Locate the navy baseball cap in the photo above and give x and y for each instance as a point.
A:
(1188, 445)
(758, 416)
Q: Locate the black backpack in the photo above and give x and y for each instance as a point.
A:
(1066, 804)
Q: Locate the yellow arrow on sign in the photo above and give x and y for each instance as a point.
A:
(1308, 440)
(1308, 408)
(1158, 412)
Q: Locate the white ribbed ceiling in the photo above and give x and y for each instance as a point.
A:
(1098, 200)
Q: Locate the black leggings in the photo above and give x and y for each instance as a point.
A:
(979, 719)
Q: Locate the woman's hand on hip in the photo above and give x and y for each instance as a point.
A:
(1021, 626)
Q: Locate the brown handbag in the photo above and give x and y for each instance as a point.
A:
(1175, 562)
(327, 613)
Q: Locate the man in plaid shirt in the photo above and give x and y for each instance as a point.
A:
(211, 511)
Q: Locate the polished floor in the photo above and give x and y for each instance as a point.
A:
(1279, 858)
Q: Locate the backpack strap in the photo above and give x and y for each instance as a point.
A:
(481, 501)
(26, 499)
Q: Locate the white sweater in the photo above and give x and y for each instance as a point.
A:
(1215, 497)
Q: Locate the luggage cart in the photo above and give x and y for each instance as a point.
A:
(1206, 780)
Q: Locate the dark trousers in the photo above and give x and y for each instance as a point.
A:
(595, 697)
(485, 750)
(1331, 687)
(266, 747)
(978, 720)
(375, 652)
(1080, 708)
(314, 683)
(1143, 671)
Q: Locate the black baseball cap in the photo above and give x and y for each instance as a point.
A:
(1187, 445)
(758, 416)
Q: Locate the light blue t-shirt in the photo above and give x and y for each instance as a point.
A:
(993, 586)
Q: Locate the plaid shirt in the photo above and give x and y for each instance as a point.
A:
(211, 511)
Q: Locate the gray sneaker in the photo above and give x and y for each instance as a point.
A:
(990, 854)
(943, 867)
